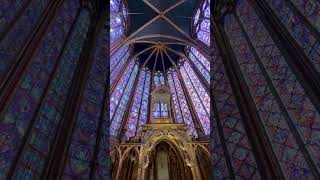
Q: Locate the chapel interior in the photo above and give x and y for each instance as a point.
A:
(159, 89)
(160, 124)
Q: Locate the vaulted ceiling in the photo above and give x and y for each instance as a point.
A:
(159, 30)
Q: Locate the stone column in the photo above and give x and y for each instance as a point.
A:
(141, 164)
(119, 168)
(195, 170)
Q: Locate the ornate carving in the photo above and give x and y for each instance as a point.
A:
(176, 135)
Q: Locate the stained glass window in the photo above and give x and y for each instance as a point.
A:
(27, 97)
(196, 17)
(200, 62)
(116, 95)
(145, 101)
(272, 84)
(181, 109)
(158, 79)
(227, 113)
(8, 11)
(42, 135)
(297, 27)
(118, 18)
(310, 9)
(202, 23)
(85, 133)
(160, 110)
(17, 35)
(119, 56)
(164, 110)
(138, 111)
(118, 61)
(156, 110)
(198, 94)
(120, 97)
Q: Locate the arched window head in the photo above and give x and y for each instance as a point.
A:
(118, 20)
(158, 79)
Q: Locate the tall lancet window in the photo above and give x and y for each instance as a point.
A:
(120, 97)
(199, 96)
(138, 112)
(202, 22)
(181, 109)
(118, 19)
(117, 62)
(201, 62)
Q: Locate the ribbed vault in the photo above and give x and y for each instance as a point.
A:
(156, 41)
(165, 24)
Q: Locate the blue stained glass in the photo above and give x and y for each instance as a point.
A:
(198, 94)
(201, 63)
(204, 37)
(17, 36)
(114, 5)
(164, 110)
(115, 20)
(196, 18)
(25, 99)
(156, 110)
(9, 11)
(202, 23)
(297, 103)
(118, 18)
(207, 11)
(118, 60)
(118, 57)
(205, 26)
(160, 110)
(116, 95)
(310, 9)
(115, 34)
(117, 117)
(134, 111)
(162, 80)
(85, 130)
(272, 61)
(158, 79)
(145, 101)
(177, 110)
(63, 76)
(182, 112)
(297, 27)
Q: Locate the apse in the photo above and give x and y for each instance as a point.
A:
(156, 46)
(95, 89)
(159, 83)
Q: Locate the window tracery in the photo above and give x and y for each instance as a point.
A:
(118, 19)
(200, 62)
(202, 23)
(120, 96)
(158, 79)
(181, 109)
(198, 94)
(160, 110)
(138, 112)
